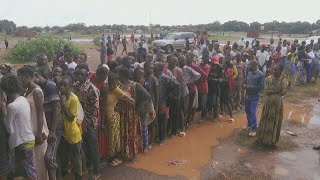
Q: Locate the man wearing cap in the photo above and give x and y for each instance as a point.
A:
(262, 57)
(214, 88)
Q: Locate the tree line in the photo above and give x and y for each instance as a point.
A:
(237, 26)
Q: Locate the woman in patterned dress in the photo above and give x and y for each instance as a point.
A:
(113, 118)
(130, 123)
(290, 69)
(272, 112)
(301, 71)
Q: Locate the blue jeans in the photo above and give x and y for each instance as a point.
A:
(145, 135)
(309, 72)
(251, 111)
(203, 104)
(283, 62)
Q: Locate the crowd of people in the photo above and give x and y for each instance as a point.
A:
(69, 117)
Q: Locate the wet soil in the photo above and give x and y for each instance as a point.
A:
(240, 157)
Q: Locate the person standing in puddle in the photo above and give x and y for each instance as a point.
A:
(253, 86)
(272, 112)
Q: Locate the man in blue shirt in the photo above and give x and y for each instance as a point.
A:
(254, 86)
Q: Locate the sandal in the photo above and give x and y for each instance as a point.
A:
(231, 120)
(99, 177)
(118, 161)
(113, 163)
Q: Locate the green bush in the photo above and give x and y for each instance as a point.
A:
(97, 41)
(26, 50)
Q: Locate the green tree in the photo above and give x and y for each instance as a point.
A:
(255, 26)
(36, 29)
(76, 27)
(7, 26)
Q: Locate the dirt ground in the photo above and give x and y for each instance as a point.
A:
(223, 151)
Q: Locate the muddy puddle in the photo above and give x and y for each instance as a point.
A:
(194, 151)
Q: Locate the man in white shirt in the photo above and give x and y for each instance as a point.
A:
(193, 50)
(241, 43)
(203, 46)
(212, 52)
(284, 52)
(68, 57)
(272, 46)
(262, 57)
(311, 57)
(71, 65)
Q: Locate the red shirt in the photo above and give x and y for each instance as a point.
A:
(277, 57)
(225, 48)
(230, 78)
(202, 84)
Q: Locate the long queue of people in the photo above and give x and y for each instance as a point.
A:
(67, 116)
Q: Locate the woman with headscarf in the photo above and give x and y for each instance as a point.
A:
(115, 95)
(290, 68)
(132, 116)
(272, 112)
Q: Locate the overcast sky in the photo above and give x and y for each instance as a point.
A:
(164, 12)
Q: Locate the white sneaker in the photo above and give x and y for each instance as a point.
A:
(253, 134)
(182, 134)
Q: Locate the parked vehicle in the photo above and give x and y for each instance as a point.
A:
(173, 41)
(308, 40)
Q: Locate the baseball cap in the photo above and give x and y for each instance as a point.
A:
(215, 59)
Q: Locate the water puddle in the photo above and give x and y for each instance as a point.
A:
(315, 113)
(308, 113)
(193, 151)
(188, 155)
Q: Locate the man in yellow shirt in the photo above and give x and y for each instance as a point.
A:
(71, 141)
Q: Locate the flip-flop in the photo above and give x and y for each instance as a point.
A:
(118, 161)
(231, 120)
(97, 178)
(113, 163)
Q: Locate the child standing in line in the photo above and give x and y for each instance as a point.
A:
(71, 141)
